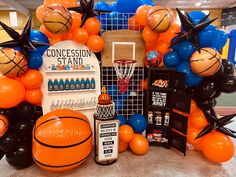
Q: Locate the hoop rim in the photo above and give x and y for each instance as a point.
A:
(124, 61)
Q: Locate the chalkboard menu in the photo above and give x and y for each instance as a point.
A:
(166, 91)
(228, 17)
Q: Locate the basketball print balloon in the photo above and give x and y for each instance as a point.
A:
(205, 63)
(57, 19)
(159, 19)
(12, 63)
(3, 125)
(62, 140)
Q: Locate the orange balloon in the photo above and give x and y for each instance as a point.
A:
(65, 3)
(126, 133)
(198, 120)
(32, 79)
(192, 133)
(80, 35)
(149, 35)
(76, 20)
(133, 25)
(12, 92)
(162, 47)
(67, 36)
(141, 14)
(92, 25)
(193, 107)
(170, 33)
(39, 12)
(48, 34)
(4, 125)
(123, 146)
(217, 147)
(95, 43)
(34, 96)
(149, 46)
(144, 84)
(139, 144)
(64, 134)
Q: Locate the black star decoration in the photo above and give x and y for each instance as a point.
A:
(217, 124)
(190, 29)
(21, 40)
(87, 9)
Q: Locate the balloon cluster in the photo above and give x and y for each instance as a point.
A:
(60, 23)
(121, 14)
(16, 125)
(206, 133)
(211, 87)
(130, 134)
(196, 53)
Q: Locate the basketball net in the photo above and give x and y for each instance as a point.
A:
(124, 70)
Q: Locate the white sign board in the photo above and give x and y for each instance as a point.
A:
(71, 78)
(107, 140)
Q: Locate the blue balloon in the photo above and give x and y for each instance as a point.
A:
(113, 6)
(172, 59)
(185, 50)
(191, 79)
(197, 16)
(122, 119)
(207, 36)
(128, 6)
(102, 5)
(219, 40)
(175, 47)
(148, 2)
(36, 35)
(138, 122)
(35, 60)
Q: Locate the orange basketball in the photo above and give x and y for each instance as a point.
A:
(123, 146)
(57, 19)
(95, 43)
(159, 19)
(205, 63)
(34, 96)
(3, 125)
(12, 63)
(12, 92)
(139, 144)
(32, 79)
(126, 133)
(62, 140)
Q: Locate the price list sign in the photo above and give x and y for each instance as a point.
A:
(159, 99)
(107, 136)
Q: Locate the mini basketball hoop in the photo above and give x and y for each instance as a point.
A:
(124, 70)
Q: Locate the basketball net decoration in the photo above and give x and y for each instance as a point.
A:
(124, 70)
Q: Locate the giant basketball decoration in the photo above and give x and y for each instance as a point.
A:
(159, 19)
(57, 19)
(205, 63)
(12, 63)
(62, 140)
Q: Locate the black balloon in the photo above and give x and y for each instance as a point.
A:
(220, 72)
(207, 104)
(228, 84)
(38, 113)
(9, 141)
(25, 111)
(217, 94)
(1, 154)
(21, 157)
(206, 89)
(24, 129)
(228, 67)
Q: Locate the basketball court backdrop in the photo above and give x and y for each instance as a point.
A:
(123, 44)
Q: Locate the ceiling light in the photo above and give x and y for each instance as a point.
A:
(198, 4)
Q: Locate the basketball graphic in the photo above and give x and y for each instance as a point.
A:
(57, 19)
(62, 140)
(12, 63)
(205, 63)
(153, 58)
(159, 19)
(3, 125)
